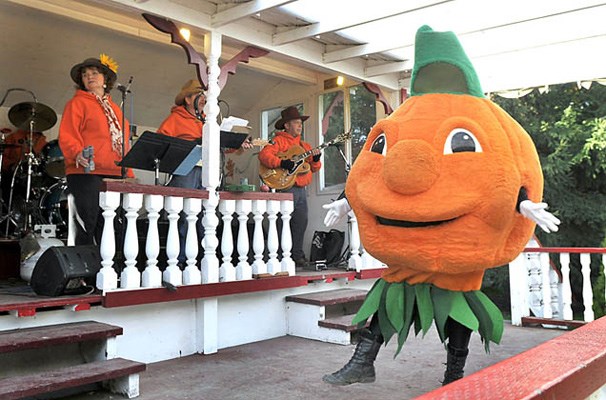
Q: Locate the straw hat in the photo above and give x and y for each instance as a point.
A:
(193, 86)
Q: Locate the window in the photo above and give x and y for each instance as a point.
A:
(354, 108)
(332, 123)
(271, 116)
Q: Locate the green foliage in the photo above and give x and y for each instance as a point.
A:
(568, 127)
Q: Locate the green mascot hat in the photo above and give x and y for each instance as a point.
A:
(441, 65)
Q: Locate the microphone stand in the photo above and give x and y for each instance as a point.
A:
(124, 90)
(122, 169)
(347, 164)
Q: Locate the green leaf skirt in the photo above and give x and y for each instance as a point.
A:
(400, 305)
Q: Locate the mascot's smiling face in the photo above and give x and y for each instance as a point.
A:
(436, 186)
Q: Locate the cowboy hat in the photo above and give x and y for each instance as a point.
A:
(288, 114)
(192, 86)
(92, 62)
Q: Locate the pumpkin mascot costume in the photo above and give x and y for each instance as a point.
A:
(445, 187)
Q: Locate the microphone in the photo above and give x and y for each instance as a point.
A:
(125, 89)
(89, 152)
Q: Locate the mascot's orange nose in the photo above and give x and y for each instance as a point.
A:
(411, 166)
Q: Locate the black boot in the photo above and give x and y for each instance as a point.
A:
(455, 362)
(360, 369)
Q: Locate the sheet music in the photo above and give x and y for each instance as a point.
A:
(228, 123)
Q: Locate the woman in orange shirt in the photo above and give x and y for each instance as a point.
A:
(91, 118)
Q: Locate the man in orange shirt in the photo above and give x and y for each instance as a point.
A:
(290, 126)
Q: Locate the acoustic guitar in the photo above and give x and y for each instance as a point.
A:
(280, 178)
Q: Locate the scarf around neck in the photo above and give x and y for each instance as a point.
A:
(114, 125)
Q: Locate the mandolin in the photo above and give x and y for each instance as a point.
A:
(280, 178)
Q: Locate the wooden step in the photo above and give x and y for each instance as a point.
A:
(68, 377)
(43, 336)
(329, 297)
(342, 323)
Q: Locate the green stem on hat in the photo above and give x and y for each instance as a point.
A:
(400, 306)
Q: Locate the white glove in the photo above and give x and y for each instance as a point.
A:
(537, 212)
(336, 210)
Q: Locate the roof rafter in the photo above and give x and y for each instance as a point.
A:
(332, 25)
(244, 10)
(558, 15)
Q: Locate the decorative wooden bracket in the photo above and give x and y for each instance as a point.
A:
(193, 57)
(376, 90)
(243, 56)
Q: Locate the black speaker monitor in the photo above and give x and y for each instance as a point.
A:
(66, 270)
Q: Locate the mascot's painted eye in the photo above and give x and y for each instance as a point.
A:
(379, 145)
(460, 140)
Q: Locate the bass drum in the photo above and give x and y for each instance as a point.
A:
(53, 207)
(54, 164)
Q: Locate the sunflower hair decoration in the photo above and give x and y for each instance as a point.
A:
(108, 62)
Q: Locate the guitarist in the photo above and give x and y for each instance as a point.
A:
(289, 127)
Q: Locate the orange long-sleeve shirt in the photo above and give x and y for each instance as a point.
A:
(84, 124)
(181, 124)
(281, 142)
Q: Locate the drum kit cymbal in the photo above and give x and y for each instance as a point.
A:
(48, 194)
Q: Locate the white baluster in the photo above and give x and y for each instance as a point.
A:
(518, 289)
(287, 265)
(355, 261)
(152, 276)
(545, 285)
(227, 271)
(243, 269)
(534, 283)
(191, 273)
(566, 291)
(107, 278)
(258, 207)
(130, 276)
(368, 261)
(554, 280)
(273, 265)
(587, 292)
(172, 274)
(210, 262)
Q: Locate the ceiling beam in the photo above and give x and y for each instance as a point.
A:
(388, 68)
(387, 9)
(244, 10)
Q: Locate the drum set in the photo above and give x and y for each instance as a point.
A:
(34, 188)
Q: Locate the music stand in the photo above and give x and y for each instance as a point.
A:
(161, 153)
(232, 140)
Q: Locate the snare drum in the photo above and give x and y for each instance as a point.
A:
(54, 166)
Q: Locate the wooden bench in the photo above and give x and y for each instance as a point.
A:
(29, 371)
(324, 315)
(570, 367)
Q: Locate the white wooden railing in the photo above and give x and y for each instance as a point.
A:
(143, 201)
(542, 285)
